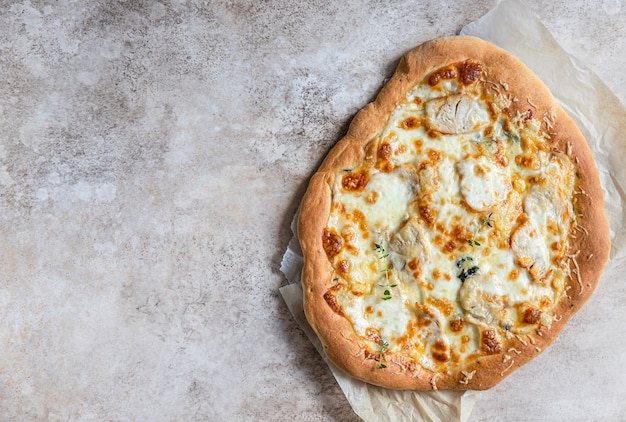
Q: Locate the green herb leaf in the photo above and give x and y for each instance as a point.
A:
(383, 347)
(473, 242)
(487, 221)
(387, 268)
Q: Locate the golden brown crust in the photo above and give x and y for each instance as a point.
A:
(587, 254)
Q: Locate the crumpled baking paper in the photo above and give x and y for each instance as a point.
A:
(601, 118)
(596, 110)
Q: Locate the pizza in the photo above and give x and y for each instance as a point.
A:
(455, 228)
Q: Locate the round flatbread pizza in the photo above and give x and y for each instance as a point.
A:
(457, 226)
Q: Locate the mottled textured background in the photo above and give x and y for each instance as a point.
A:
(152, 155)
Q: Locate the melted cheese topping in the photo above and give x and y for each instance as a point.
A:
(456, 237)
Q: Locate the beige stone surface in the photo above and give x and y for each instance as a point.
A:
(152, 155)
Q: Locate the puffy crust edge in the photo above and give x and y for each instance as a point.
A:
(335, 332)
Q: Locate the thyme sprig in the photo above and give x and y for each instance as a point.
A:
(487, 221)
(384, 345)
(383, 255)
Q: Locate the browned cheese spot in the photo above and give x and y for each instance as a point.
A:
(500, 154)
(384, 151)
(469, 72)
(434, 155)
(427, 214)
(410, 123)
(413, 264)
(343, 267)
(449, 247)
(372, 197)
(489, 342)
(426, 285)
(529, 161)
(332, 242)
(418, 146)
(415, 267)
(457, 325)
(373, 334)
(331, 300)
(359, 218)
(465, 339)
(443, 305)
(355, 182)
(532, 316)
(447, 72)
(461, 233)
(440, 351)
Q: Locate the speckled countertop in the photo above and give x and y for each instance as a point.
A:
(152, 155)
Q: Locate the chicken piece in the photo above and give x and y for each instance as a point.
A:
(479, 296)
(530, 249)
(457, 113)
(409, 242)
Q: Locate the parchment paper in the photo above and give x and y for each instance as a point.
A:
(601, 118)
(596, 110)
